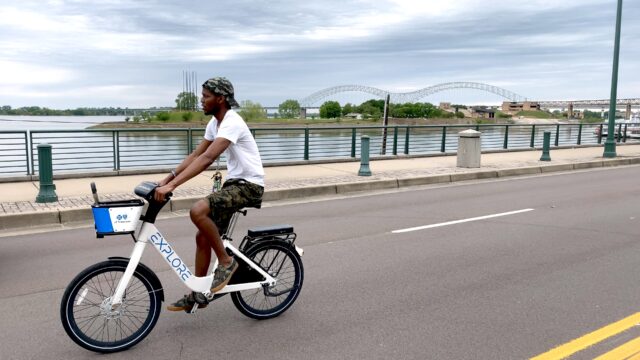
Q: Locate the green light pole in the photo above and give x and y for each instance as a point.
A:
(610, 144)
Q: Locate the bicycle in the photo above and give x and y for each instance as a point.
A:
(113, 305)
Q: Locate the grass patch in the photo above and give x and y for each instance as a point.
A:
(536, 114)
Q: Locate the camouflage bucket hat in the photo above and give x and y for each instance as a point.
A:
(221, 86)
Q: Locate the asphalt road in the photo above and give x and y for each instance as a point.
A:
(504, 287)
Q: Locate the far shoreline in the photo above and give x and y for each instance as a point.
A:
(294, 123)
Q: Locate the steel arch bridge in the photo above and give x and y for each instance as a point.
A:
(409, 96)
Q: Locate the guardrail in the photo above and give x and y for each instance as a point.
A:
(94, 150)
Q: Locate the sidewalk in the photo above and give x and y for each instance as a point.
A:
(18, 209)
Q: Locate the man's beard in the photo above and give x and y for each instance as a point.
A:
(212, 111)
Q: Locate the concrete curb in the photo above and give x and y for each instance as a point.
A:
(84, 216)
(30, 219)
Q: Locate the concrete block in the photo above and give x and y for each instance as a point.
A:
(76, 215)
(519, 171)
(306, 191)
(366, 186)
(88, 174)
(557, 167)
(587, 165)
(474, 175)
(11, 179)
(615, 162)
(468, 149)
(31, 219)
(424, 180)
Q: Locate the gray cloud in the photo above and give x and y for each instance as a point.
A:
(122, 53)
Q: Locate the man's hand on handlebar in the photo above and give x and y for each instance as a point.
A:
(162, 191)
(165, 181)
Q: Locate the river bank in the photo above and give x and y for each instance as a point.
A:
(327, 123)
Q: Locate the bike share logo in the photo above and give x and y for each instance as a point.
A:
(172, 258)
(123, 218)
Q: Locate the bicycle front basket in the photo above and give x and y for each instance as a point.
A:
(116, 217)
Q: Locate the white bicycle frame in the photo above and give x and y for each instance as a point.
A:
(149, 233)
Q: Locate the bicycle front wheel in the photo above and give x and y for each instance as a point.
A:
(282, 262)
(91, 321)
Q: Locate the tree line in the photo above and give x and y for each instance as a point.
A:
(43, 111)
(289, 109)
(370, 109)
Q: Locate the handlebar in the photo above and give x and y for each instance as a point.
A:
(146, 189)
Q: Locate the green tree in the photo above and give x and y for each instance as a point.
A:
(251, 111)
(371, 108)
(592, 115)
(348, 108)
(330, 110)
(186, 101)
(289, 109)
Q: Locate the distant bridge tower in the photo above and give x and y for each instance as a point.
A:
(570, 111)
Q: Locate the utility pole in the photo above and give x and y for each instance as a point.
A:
(385, 122)
(610, 144)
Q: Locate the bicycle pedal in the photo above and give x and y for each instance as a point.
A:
(201, 298)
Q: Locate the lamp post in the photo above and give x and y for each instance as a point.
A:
(610, 144)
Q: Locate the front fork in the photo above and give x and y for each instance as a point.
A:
(134, 260)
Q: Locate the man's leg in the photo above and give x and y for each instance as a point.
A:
(207, 238)
(203, 255)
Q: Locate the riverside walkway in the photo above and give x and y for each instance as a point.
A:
(19, 211)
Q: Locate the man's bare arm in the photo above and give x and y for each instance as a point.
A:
(196, 166)
(200, 149)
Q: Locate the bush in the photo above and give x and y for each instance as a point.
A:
(163, 116)
(187, 116)
(251, 111)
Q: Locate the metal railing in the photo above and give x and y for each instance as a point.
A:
(93, 150)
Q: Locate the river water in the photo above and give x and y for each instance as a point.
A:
(75, 150)
(8, 122)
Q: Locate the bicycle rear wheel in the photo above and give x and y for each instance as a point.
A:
(281, 261)
(90, 321)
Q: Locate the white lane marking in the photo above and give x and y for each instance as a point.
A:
(460, 221)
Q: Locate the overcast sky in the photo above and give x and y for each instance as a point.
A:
(68, 54)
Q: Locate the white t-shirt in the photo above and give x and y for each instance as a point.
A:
(243, 158)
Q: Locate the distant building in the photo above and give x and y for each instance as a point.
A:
(354, 116)
(483, 112)
(512, 107)
(577, 114)
(445, 106)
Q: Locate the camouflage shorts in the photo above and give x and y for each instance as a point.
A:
(234, 195)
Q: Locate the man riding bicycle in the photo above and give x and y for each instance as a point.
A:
(226, 131)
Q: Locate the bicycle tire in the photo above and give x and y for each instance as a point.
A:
(281, 261)
(90, 326)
